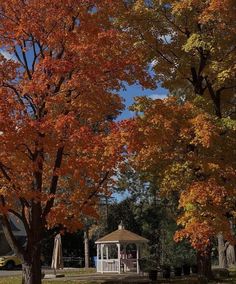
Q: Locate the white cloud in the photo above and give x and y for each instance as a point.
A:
(153, 63)
(157, 96)
(7, 55)
(167, 38)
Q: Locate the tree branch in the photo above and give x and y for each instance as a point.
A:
(25, 60)
(92, 194)
(54, 182)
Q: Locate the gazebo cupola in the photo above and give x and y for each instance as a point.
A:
(119, 251)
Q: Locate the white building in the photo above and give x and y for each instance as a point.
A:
(119, 251)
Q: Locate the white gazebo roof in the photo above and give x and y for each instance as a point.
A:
(121, 236)
(123, 261)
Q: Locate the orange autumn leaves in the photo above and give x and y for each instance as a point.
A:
(58, 95)
(190, 153)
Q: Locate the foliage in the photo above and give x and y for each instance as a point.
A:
(183, 44)
(172, 140)
(60, 67)
(147, 264)
(189, 151)
(144, 212)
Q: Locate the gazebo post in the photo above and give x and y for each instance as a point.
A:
(137, 258)
(107, 253)
(102, 245)
(98, 246)
(125, 256)
(118, 245)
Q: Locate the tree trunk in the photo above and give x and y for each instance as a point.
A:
(230, 255)
(222, 251)
(31, 267)
(86, 249)
(31, 272)
(204, 263)
(230, 250)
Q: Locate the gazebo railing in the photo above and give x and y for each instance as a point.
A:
(108, 265)
(129, 264)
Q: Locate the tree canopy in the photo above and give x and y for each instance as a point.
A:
(61, 66)
(189, 44)
(190, 153)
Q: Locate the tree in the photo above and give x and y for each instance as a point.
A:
(172, 139)
(183, 42)
(184, 47)
(144, 212)
(60, 65)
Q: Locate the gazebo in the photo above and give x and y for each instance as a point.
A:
(119, 251)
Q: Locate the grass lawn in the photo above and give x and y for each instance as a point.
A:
(17, 280)
(182, 280)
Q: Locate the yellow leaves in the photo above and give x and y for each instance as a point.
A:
(171, 178)
(181, 47)
(229, 123)
(224, 75)
(165, 130)
(139, 7)
(198, 233)
(205, 206)
(196, 41)
(190, 152)
(190, 207)
(218, 8)
(205, 193)
(204, 129)
(213, 166)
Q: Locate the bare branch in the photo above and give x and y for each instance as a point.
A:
(92, 194)
(54, 182)
(25, 60)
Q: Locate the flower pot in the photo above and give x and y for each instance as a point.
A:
(186, 269)
(194, 269)
(178, 271)
(166, 271)
(152, 274)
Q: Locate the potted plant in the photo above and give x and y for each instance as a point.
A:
(166, 270)
(152, 274)
(189, 260)
(186, 268)
(194, 268)
(177, 265)
(178, 270)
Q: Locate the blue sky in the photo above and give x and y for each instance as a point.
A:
(128, 94)
(135, 91)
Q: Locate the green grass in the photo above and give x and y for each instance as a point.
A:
(73, 272)
(68, 273)
(17, 280)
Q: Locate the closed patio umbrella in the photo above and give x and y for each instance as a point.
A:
(57, 260)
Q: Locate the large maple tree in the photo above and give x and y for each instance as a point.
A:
(60, 65)
(191, 154)
(189, 44)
